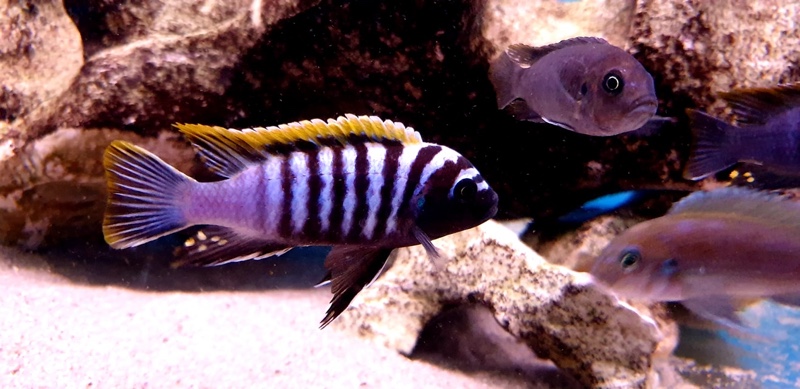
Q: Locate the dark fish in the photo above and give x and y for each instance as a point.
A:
(582, 84)
(359, 184)
(711, 249)
(766, 134)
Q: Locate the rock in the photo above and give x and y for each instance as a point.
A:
(561, 315)
(172, 62)
(53, 190)
(577, 249)
(697, 49)
(541, 22)
(40, 54)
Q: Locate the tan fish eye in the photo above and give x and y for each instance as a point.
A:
(613, 83)
(630, 260)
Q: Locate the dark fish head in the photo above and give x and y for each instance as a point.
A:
(638, 264)
(616, 94)
(455, 198)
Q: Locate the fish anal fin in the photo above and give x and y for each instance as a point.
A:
(764, 177)
(351, 268)
(525, 55)
(214, 245)
(758, 105)
(228, 151)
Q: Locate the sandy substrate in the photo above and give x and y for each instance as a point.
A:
(58, 333)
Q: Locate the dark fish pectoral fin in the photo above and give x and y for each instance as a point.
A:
(143, 196)
(520, 110)
(351, 268)
(708, 154)
(214, 245)
(792, 299)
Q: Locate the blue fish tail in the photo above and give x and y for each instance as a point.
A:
(144, 195)
(709, 154)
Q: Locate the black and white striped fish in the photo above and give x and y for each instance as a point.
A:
(360, 184)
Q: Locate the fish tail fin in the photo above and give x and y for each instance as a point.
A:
(501, 75)
(709, 154)
(144, 195)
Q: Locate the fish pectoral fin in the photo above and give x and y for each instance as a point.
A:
(214, 245)
(351, 269)
(519, 110)
(792, 299)
(430, 248)
(720, 310)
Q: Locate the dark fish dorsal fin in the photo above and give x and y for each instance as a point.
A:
(744, 202)
(524, 55)
(228, 151)
(758, 105)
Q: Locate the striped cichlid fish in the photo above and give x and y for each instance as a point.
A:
(360, 184)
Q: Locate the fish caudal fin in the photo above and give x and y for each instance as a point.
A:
(708, 154)
(143, 196)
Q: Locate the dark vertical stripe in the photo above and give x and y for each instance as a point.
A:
(261, 198)
(285, 229)
(361, 186)
(390, 166)
(424, 157)
(337, 212)
(312, 225)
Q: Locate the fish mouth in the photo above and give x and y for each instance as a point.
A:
(645, 105)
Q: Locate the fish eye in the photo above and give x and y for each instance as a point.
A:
(584, 89)
(629, 260)
(613, 83)
(465, 189)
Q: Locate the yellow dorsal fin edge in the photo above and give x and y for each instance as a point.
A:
(342, 129)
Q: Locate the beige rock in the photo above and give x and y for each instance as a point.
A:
(699, 48)
(40, 54)
(541, 22)
(561, 315)
(53, 189)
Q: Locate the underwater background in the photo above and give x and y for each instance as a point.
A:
(512, 306)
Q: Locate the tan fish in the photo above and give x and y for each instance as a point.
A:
(582, 84)
(711, 249)
(766, 135)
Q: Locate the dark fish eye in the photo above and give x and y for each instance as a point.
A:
(465, 189)
(629, 260)
(584, 89)
(613, 83)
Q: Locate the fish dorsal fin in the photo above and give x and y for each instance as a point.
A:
(229, 151)
(758, 105)
(524, 55)
(744, 202)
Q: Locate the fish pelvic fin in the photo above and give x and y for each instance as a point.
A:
(144, 196)
(229, 151)
(709, 154)
(215, 245)
(350, 269)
